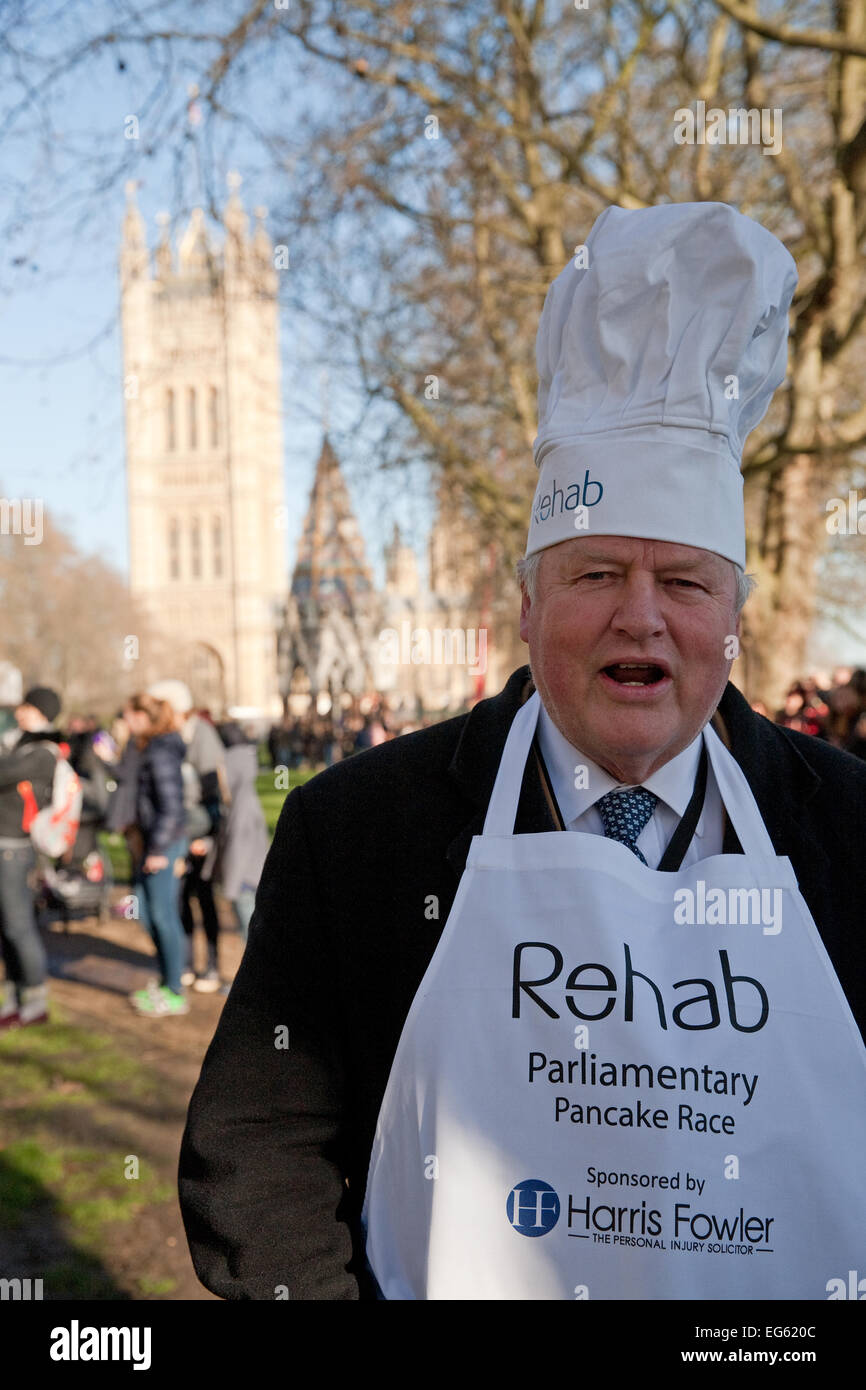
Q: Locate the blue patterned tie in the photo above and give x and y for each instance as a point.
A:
(624, 815)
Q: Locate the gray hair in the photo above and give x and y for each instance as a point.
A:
(527, 574)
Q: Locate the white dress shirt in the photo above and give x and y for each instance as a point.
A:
(673, 784)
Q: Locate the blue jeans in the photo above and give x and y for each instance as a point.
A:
(23, 951)
(158, 903)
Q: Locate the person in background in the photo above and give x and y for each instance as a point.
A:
(206, 794)
(846, 704)
(273, 743)
(243, 840)
(11, 695)
(26, 782)
(816, 708)
(802, 710)
(124, 773)
(372, 733)
(92, 752)
(157, 844)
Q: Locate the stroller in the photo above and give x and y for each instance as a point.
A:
(71, 892)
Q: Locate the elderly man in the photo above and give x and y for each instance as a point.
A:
(469, 1056)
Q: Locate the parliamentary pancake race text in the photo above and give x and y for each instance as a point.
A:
(599, 1093)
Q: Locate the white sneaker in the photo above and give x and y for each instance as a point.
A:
(208, 983)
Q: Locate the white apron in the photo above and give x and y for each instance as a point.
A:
(609, 1088)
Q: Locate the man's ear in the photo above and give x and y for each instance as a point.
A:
(525, 607)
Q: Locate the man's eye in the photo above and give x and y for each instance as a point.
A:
(686, 583)
(596, 574)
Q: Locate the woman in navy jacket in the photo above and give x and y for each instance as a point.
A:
(157, 843)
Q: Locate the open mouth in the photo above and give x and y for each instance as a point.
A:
(635, 673)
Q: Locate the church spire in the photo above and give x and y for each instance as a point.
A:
(237, 226)
(195, 249)
(261, 241)
(163, 255)
(134, 257)
(332, 564)
(266, 278)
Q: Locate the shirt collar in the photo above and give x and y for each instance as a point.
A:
(673, 783)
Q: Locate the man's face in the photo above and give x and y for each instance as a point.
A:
(30, 719)
(602, 601)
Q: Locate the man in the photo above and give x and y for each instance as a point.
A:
(26, 782)
(662, 1000)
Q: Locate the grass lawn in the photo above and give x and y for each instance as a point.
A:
(54, 1188)
(90, 1122)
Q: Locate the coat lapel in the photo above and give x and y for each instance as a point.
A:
(476, 761)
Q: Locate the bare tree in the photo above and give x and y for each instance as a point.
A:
(70, 623)
(462, 154)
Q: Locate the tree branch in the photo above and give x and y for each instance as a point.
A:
(823, 39)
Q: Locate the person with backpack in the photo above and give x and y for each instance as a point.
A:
(157, 841)
(27, 777)
(79, 886)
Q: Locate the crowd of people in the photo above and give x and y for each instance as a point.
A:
(315, 740)
(832, 707)
(180, 789)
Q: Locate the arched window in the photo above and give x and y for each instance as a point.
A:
(195, 548)
(169, 420)
(213, 418)
(217, 535)
(192, 423)
(174, 548)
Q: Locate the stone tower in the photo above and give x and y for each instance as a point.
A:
(204, 450)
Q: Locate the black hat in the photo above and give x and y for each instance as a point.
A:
(45, 700)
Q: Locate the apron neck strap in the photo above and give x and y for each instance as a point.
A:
(502, 807)
(679, 842)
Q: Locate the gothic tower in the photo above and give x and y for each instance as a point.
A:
(331, 619)
(204, 450)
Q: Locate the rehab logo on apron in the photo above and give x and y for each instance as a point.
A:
(600, 1095)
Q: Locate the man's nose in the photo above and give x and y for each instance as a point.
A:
(638, 612)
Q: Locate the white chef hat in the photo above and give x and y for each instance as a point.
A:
(655, 360)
